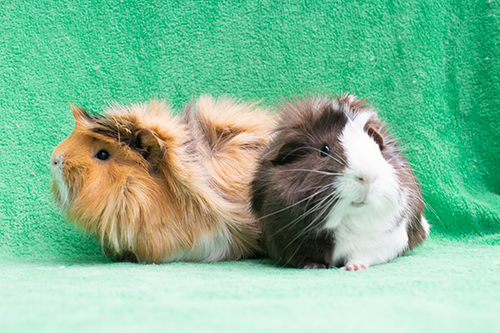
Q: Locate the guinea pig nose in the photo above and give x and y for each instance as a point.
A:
(365, 180)
(56, 160)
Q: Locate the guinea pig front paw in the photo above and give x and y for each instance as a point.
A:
(354, 265)
(314, 266)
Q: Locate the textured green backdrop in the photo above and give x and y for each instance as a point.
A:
(432, 68)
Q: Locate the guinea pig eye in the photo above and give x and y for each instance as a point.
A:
(102, 155)
(325, 151)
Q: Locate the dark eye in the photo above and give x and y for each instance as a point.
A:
(325, 151)
(102, 155)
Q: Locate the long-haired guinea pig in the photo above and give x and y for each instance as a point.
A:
(333, 190)
(155, 187)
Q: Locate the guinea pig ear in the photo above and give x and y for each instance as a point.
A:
(375, 135)
(81, 116)
(287, 153)
(151, 148)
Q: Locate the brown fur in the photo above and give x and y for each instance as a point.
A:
(174, 188)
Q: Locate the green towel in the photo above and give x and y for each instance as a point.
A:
(432, 68)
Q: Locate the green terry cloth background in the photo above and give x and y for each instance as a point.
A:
(432, 68)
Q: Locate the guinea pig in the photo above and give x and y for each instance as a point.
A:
(332, 188)
(154, 187)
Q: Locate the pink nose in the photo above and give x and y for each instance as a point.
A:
(365, 180)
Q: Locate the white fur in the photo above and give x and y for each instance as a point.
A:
(213, 248)
(426, 225)
(207, 248)
(63, 190)
(365, 218)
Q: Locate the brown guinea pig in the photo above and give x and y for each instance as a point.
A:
(333, 189)
(155, 187)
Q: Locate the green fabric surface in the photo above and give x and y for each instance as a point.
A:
(432, 68)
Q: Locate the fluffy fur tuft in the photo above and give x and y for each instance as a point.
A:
(333, 189)
(155, 187)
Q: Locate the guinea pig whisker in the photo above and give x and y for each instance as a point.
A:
(292, 205)
(418, 171)
(314, 209)
(406, 183)
(315, 171)
(304, 231)
(296, 250)
(312, 188)
(323, 211)
(428, 206)
(294, 150)
(317, 205)
(391, 159)
(298, 219)
(324, 188)
(303, 215)
(337, 159)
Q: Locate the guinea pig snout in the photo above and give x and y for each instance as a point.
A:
(56, 160)
(361, 189)
(365, 180)
(57, 165)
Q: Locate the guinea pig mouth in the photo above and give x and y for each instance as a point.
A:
(358, 204)
(60, 188)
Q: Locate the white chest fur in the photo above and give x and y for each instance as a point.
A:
(368, 246)
(368, 220)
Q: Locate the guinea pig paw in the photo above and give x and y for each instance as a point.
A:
(314, 266)
(354, 265)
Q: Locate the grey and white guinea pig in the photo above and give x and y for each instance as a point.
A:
(333, 189)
